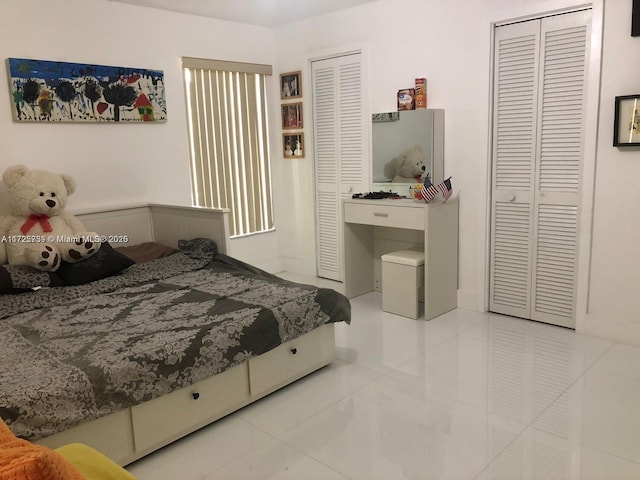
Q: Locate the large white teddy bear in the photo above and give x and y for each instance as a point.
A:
(408, 167)
(39, 232)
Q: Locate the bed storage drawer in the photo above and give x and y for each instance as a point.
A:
(385, 215)
(291, 360)
(171, 416)
(111, 435)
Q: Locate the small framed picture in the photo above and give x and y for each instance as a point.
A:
(626, 126)
(291, 115)
(290, 85)
(293, 145)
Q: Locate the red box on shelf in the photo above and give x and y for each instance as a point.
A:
(421, 92)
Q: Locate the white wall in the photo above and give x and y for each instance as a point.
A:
(450, 44)
(614, 290)
(122, 163)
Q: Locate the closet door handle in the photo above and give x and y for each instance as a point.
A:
(378, 214)
(512, 197)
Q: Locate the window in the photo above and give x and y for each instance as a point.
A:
(228, 139)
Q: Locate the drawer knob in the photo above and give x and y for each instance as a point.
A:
(195, 395)
(294, 351)
(379, 214)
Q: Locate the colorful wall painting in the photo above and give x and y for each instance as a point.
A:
(47, 91)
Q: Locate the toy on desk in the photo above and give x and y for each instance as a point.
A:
(415, 192)
(408, 167)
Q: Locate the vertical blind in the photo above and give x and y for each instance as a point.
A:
(228, 137)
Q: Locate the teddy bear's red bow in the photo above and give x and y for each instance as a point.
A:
(32, 220)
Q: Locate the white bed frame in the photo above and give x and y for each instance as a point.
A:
(130, 434)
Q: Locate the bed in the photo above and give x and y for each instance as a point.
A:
(134, 361)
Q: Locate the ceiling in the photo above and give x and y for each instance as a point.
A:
(268, 13)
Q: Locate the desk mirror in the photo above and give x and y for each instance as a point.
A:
(410, 134)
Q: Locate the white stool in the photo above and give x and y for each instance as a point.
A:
(402, 277)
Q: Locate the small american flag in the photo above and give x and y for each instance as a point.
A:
(428, 191)
(445, 188)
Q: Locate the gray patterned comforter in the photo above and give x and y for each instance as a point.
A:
(73, 354)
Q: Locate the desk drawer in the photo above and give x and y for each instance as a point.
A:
(385, 215)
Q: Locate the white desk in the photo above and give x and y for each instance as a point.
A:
(439, 222)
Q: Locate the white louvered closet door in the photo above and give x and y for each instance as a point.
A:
(515, 112)
(341, 153)
(539, 89)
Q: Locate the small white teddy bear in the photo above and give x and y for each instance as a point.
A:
(38, 232)
(408, 167)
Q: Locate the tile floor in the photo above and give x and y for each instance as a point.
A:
(463, 396)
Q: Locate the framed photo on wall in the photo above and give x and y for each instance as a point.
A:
(291, 115)
(290, 85)
(293, 145)
(626, 126)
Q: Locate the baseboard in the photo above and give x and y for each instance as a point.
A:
(303, 267)
(468, 300)
(611, 328)
(271, 266)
